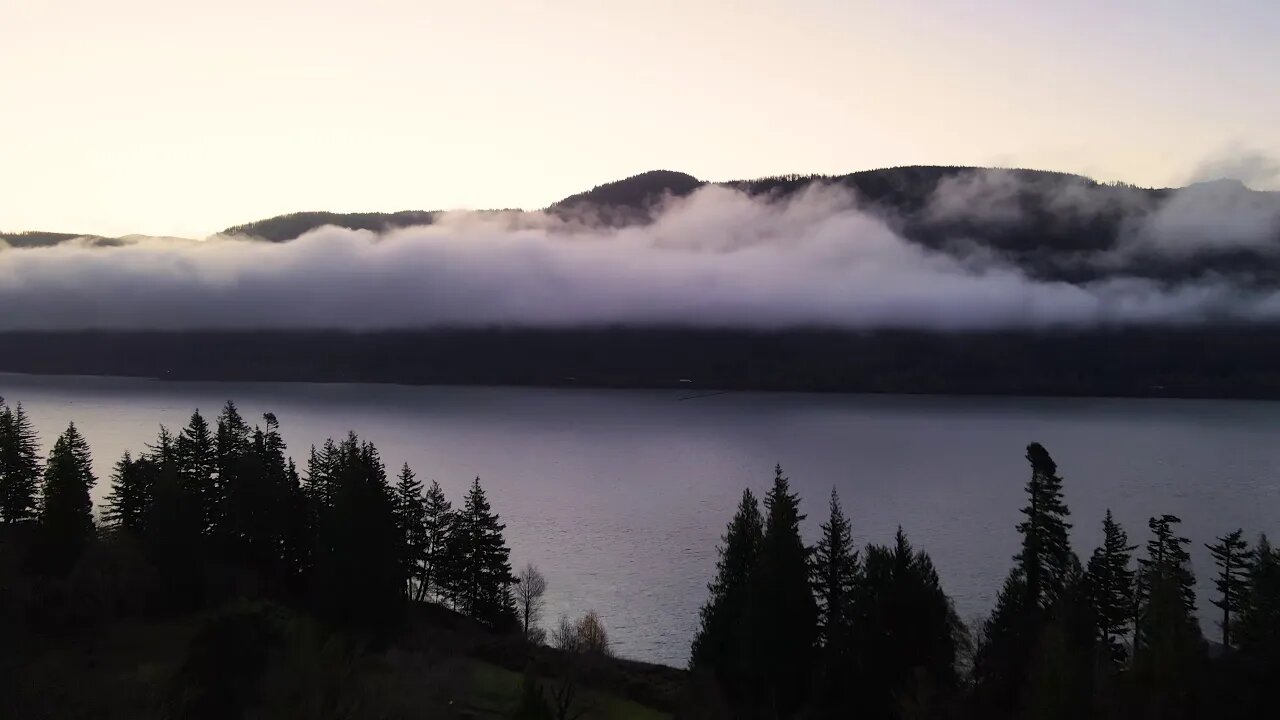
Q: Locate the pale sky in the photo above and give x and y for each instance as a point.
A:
(170, 117)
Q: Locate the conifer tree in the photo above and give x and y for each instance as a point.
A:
(835, 578)
(1046, 557)
(19, 465)
(1169, 652)
(906, 631)
(1257, 632)
(1110, 585)
(129, 501)
(437, 522)
(230, 498)
(410, 518)
(174, 524)
(66, 512)
(483, 569)
(1231, 555)
(782, 613)
(358, 577)
(720, 644)
(196, 457)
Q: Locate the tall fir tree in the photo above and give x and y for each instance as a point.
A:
(482, 574)
(835, 579)
(19, 465)
(129, 501)
(230, 498)
(437, 523)
(905, 634)
(1258, 629)
(782, 613)
(1110, 585)
(1231, 555)
(1046, 558)
(174, 525)
(411, 518)
(197, 462)
(358, 579)
(66, 511)
(720, 646)
(1169, 651)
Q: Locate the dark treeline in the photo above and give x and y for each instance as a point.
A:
(218, 512)
(1228, 361)
(832, 631)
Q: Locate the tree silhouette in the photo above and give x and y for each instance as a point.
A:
(530, 587)
(719, 647)
(1231, 555)
(129, 501)
(1169, 652)
(19, 465)
(782, 614)
(1110, 582)
(437, 523)
(1046, 558)
(410, 519)
(836, 575)
(483, 569)
(66, 511)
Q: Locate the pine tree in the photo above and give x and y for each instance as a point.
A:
(1046, 557)
(483, 569)
(1231, 555)
(1258, 629)
(835, 574)
(66, 512)
(19, 465)
(358, 579)
(720, 644)
(229, 501)
(835, 578)
(782, 612)
(437, 522)
(1110, 585)
(1169, 652)
(196, 458)
(129, 501)
(410, 518)
(174, 524)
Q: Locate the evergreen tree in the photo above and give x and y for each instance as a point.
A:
(1231, 555)
(358, 579)
(410, 518)
(1258, 629)
(483, 569)
(174, 524)
(66, 512)
(129, 501)
(196, 457)
(782, 613)
(437, 522)
(835, 579)
(230, 499)
(720, 645)
(19, 465)
(906, 633)
(1110, 583)
(1046, 558)
(1169, 653)
(1041, 572)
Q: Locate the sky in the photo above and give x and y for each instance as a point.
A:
(164, 118)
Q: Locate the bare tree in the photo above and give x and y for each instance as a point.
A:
(530, 586)
(585, 637)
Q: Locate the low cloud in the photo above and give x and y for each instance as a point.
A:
(715, 258)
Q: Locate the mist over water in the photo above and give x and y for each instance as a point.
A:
(719, 257)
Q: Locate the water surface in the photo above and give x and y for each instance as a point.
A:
(620, 496)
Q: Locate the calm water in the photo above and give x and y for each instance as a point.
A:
(621, 496)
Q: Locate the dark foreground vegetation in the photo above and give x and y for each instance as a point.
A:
(1237, 361)
(221, 581)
